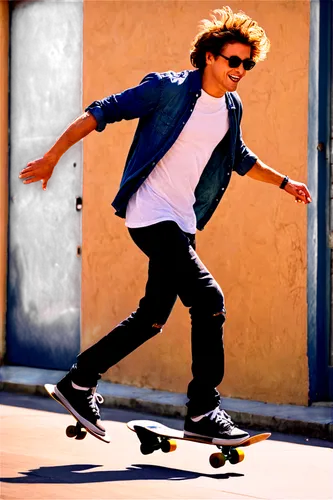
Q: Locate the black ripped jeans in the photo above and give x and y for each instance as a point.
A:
(174, 270)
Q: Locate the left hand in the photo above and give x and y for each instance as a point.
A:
(299, 190)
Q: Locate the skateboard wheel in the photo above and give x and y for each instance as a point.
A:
(168, 445)
(146, 449)
(71, 431)
(236, 456)
(81, 434)
(217, 460)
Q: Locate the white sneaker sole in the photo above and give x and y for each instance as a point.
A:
(88, 425)
(217, 441)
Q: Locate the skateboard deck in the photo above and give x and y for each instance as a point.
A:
(78, 431)
(155, 436)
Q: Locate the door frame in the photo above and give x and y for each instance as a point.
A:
(319, 147)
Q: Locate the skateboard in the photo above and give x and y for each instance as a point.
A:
(155, 436)
(78, 431)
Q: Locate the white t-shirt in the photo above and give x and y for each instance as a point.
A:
(168, 192)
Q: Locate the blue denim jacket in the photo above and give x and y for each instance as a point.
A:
(163, 102)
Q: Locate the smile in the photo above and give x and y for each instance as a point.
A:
(234, 78)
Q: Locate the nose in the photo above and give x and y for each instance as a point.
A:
(240, 71)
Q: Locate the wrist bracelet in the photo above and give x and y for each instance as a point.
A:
(284, 182)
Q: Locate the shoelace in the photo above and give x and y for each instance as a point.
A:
(220, 416)
(93, 399)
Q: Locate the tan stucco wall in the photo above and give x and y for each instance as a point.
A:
(3, 166)
(255, 245)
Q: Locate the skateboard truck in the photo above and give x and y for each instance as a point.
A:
(227, 454)
(151, 442)
(76, 431)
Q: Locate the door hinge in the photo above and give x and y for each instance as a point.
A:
(78, 251)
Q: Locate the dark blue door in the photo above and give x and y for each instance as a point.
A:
(44, 268)
(320, 220)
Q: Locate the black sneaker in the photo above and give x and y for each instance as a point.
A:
(82, 404)
(215, 427)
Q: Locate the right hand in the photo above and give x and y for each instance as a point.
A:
(39, 170)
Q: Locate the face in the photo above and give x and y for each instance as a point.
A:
(218, 77)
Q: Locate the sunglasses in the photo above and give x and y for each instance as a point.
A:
(235, 62)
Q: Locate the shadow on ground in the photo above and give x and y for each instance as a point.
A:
(82, 474)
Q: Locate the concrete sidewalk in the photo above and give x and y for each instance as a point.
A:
(313, 421)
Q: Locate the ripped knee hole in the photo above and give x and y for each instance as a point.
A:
(158, 326)
(220, 313)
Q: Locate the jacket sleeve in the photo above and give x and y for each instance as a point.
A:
(244, 157)
(131, 103)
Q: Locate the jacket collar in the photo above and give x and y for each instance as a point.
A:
(195, 81)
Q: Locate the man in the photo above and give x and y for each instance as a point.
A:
(187, 144)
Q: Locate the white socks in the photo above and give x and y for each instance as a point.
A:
(79, 388)
(197, 419)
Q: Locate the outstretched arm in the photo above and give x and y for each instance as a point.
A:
(42, 168)
(264, 173)
(135, 102)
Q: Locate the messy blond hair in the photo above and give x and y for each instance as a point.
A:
(226, 27)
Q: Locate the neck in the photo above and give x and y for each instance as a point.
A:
(211, 87)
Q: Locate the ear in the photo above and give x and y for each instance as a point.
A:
(209, 58)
